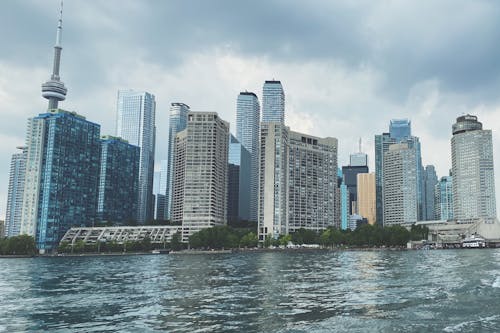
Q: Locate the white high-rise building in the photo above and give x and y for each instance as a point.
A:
(247, 133)
(472, 169)
(135, 122)
(15, 193)
(273, 180)
(273, 102)
(200, 173)
(312, 182)
(400, 188)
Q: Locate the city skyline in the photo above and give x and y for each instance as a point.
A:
(335, 92)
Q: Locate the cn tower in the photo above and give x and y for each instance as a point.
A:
(54, 89)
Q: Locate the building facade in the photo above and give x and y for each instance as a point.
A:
(366, 196)
(239, 181)
(444, 199)
(430, 180)
(135, 122)
(202, 167)
(273, 180)
(472, 169)
(312, 182)
(400, 189)
(177, 123)
(350, 175)
(273, 102)
(247, 133)
(118, 181)
(62, 174)
(15, 193)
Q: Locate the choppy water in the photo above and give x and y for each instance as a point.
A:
(415, 291)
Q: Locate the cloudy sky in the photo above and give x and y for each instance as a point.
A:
(347, 67)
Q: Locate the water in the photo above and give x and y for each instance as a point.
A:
(314, 291)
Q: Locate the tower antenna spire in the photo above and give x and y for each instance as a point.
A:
(54, 89)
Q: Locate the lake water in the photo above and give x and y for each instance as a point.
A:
(313, 291)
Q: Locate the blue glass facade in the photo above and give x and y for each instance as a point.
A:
(247, 132)
(118, 181)
(177, 123)
(400, 129)
(444, 198)
(239, 182)
(69, 176)
(273, 102)
(430, 181)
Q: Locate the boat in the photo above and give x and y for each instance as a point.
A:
(474, 242)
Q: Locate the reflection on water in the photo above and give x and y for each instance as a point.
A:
(313, 291)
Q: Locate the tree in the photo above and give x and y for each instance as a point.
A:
(175, 243)
(249, 240)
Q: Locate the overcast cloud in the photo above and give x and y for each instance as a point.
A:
(347, 67)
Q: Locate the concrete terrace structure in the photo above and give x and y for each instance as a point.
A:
(135, 122)
(472, 170)
(15, 193)
(156, 234)
(200, 173)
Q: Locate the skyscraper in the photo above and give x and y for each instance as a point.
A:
(118, 181)
(135, 122)
(366, 196)
(472, 169)
(273, 180)
(160, 190)
(177, 123)
(444, 198)
(312, 182)
(239, 181)
(62, 175)
(200, 169)
(400, 132)
(15, 193)
(430, 180)
(350, 173)
(247, 133)
(273, 102)
(400, 190)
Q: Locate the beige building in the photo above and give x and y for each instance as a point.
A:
(366, 196)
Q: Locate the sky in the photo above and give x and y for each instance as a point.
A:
(347, 67)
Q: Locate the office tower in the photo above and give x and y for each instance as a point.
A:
(400, 188)
(2, 229)
(344, 206)
(472, 169)
(200, 173)
(15, 193)
(247, 132)
(273, 180)
(366, 196)
(400, 129)
(350, 173)
(161, 179)
(118, 181)
(401, 133)
(239, 181)
(444, 198)
(312, 177)
(62, 172)
(135, 122)
(273, 102)
(177, 123)
(429, 181)
(54, 89)
(337, 222)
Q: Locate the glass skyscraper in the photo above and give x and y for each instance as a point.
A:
(430, 181)
(247, 133)
(135, 122)
(177, 123)
(118, 181)
(239, 181)
(62, 176)
(444, 198)
(273, 102)
(400, 129)
(472, 169)
(15, 193)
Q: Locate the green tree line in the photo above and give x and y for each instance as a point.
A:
(223, 237)
(18, 245)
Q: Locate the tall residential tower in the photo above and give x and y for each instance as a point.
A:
(15, 193)
(273, 102)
